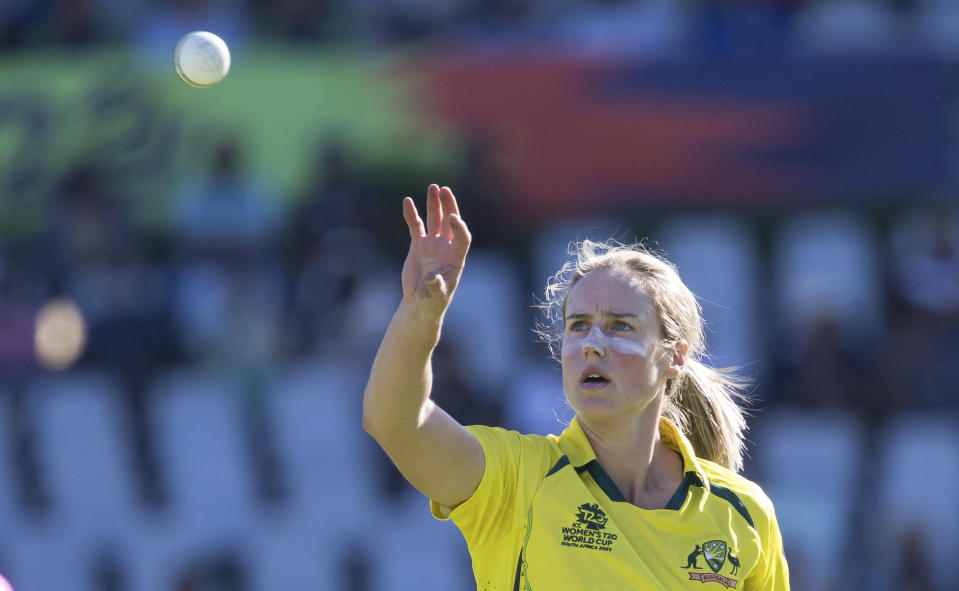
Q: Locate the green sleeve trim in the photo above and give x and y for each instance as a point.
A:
(559, 465)
(733, 499)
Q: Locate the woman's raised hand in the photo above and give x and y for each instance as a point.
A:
(437, 252)
(432, 450)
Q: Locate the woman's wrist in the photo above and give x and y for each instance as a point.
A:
(421, 327)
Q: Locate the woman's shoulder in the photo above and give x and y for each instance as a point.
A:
(503, 432)
(724, 481)
(514, 442)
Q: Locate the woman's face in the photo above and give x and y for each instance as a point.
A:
(614, 359)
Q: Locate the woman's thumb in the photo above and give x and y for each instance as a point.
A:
(436, 285)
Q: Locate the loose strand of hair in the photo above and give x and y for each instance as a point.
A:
(709, 405)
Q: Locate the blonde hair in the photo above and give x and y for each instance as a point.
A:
(703, 401)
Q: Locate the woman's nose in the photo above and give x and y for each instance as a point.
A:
(595, 342)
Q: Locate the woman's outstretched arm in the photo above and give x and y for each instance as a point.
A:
(432, 450)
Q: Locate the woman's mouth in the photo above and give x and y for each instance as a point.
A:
(594, 380)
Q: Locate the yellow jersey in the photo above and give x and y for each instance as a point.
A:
(546, 516)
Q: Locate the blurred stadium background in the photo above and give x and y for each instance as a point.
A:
(193, 282)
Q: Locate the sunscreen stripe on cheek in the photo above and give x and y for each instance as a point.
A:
(627, 346)
(598, 340)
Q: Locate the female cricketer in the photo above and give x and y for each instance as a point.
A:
(640, 491)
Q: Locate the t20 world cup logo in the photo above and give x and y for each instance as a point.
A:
(591, 516)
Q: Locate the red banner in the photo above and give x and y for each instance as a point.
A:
(578, 134)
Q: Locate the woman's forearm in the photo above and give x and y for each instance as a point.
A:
(401, 377)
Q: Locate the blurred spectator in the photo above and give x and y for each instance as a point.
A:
(356, 567)
(826, 266)
(455, 390)
(8, 25)
(407, 20)
(228, 291)
(331, 250)
(29, 480)
(22, 291)
(108, 572)
(825, 373)
(100, 263)
(74, 23)
(303, 21)
(533, 398)
(912, 573)
(330, 291)
(229, 212)
(221, 572)
(163, 22)
(228, 312)
(77, 23)
(332, 198)
(506, 13)
(925, 260)
(21, 22)
(924, 276)
(478, 184)
(98, 259)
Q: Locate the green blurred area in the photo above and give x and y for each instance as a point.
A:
(147, 131)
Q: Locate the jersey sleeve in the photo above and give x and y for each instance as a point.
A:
(515, 464)
(772, 573)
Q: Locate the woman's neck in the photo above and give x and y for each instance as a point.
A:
(646, 471)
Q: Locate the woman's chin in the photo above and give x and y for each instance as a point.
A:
(596, 406)
(600, 407)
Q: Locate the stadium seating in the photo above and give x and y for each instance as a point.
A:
(205, 461)
(809, 463)
(917, 473)
(486, 316)
(717, 259)
(10, 513)
(314, 409)
(825, 264)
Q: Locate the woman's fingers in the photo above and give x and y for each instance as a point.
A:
(461, 235)
(434, 211)
(449, 206)
(442, 219)
(412, 218)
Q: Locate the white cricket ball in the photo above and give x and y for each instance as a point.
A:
(201, 59)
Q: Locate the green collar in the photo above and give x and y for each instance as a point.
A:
(575, 445)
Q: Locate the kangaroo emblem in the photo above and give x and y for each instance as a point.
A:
(691, 559)
(735, 562)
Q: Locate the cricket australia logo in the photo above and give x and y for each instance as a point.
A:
(715, 554)
(587, 531)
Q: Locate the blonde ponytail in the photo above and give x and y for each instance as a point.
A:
(703, 402)
(706, 405)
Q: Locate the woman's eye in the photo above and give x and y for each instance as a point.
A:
(577, 326)
(620, 325)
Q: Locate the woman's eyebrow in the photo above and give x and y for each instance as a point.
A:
(611, 314)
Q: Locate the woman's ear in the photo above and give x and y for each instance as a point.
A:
(679, 350)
